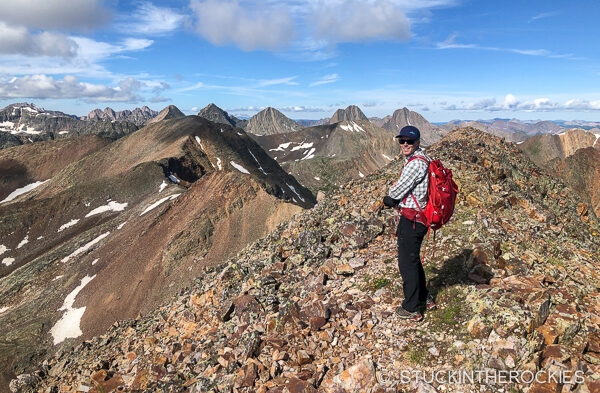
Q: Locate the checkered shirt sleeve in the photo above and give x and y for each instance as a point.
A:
(413, 178)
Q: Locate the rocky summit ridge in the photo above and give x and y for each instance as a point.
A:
(310, 307)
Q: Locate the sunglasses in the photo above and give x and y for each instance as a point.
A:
(407, 141)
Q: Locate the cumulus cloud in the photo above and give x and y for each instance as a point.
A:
(511, 103)
(55, 14)
(150, 19)
(43, 86)
(228, 22)
(17, 40)
(360, 20)
(326, 79)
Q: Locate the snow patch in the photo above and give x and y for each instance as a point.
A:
(3, 249)
(386, 157)
(239, 167)
(219, 164)
(162, 186)
(63, 132)
(3, 310)
(8, 125)
(200, 143)
(122, 225)
(112, 206)
(294, 191)
(309, 155)
(221, 130)
(316, 178)
(158, 203)
(282, 146)
(239, 133)
(84, 248)
(68, 325)
(303, 146)
(57, 278)
(23, 190)
(67, 225)
(596, 141)
(95, 261)
(23, 242)
(173, 179)
(8, 261)
(360, 174)
(260, 168)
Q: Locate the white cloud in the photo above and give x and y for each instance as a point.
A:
(359, 20)
(511, 103)
(451, 44)
(54, 14)
(280, 81)
(92, 51)
(302, 109)
(17, 40)
(228, 22)
(150, 19)
(543, 15)
(326, 79)
(43, 86)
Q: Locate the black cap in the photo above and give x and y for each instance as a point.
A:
(411, 132)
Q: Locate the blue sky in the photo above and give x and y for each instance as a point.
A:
(446, 59)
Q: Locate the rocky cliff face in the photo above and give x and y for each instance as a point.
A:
(351, 113)
(217, 115)
(139, 116)
(270, 121)
(405, 117)
(310, 307)
(544, 148)
(126, 225)
(581, 171)
(325, 157)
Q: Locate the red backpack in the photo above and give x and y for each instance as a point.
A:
(441, 195)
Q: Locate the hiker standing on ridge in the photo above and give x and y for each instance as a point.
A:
(409, 189)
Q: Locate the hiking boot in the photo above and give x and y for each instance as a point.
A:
(430, 303)
(411, 316)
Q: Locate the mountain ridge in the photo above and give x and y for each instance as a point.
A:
(311, 305)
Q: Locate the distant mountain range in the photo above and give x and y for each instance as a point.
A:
(23, 123)
(138, 116)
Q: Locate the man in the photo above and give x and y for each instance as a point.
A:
(410, 189)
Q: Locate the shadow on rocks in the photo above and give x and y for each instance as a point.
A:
(453, 271)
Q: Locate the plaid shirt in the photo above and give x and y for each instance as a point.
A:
(412, 179)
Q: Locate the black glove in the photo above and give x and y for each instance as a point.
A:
(390, 202)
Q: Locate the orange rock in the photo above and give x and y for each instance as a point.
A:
(550, 334)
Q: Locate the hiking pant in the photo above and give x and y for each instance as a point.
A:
(410, 237)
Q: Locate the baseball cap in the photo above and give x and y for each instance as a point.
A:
(411, 132)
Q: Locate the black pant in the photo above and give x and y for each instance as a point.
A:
(410, 237)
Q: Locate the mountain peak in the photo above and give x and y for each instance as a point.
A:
(170, 112)
(352, 112)
(270, 121)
